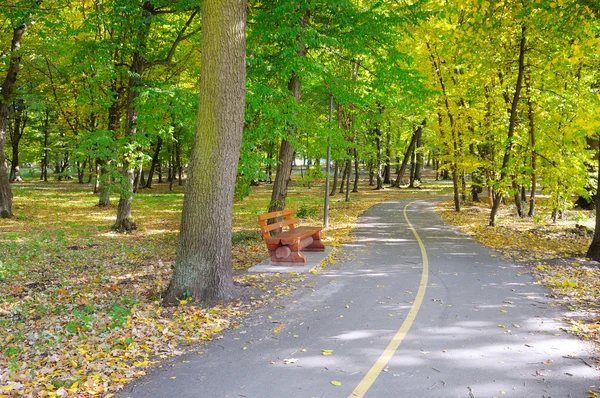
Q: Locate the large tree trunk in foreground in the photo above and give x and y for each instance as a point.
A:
(511, 128)
(5, 91)
(203, 267)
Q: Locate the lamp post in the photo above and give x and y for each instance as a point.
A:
(327, 167)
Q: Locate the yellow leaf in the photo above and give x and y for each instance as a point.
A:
(336, 383)
(75, 385)
(327, 352)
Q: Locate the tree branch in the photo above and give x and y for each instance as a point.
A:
(180, 37)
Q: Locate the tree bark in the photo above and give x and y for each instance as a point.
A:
(379, 165)
(349, 168)
(346, 171)
(387, 171)
(155, 162)
(286, 151)
(19, 112)
(530, 116)
(356, 174)
(336, 167)
(125, 221)
(203, 268)
(511, 127)
(6, 89)
(407, 155)
(46, 128)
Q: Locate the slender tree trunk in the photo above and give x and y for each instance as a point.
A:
(511, 127)
(6, 89)
(355, 187)
(282, 176)
(286, 152)
(155, 162)
(343, 180)
(20, 116)
(125, 221)
(379, 167)
(179, 165)
(419, 158)
(203, 268)
(411, 147)
(518, 201)
(411, 178)
(530, 116)
(387, 172)
(336, 167)
(46, 128)
(349, 168)
(371, 173)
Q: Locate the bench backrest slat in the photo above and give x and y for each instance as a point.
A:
(288, 221)
(280, 224)
(275, 214)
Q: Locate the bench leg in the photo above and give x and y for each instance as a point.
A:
(316, 245)
(294, 257)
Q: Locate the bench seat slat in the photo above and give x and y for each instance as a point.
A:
(289, 237)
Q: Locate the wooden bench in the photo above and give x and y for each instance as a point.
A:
(284, 248)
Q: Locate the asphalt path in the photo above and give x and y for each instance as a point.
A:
(414, 308)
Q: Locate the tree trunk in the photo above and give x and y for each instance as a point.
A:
(411, 147)
(178, 163)
(345, 172)
(336, 167)
(46, 128)
(530, 116)
(155, 162)
(511, 127)
(355, 187)
(125, 221)
(518, 201)
(419, 158)
(387, 171)
(379, 167)
(411, 178)
(6, 89)
(105, 183)
(282, 176)
(349, 167)
(593, 252)
(203, 268)
(286, 151)
(20, 116)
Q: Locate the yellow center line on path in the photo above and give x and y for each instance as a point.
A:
(376, 369)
